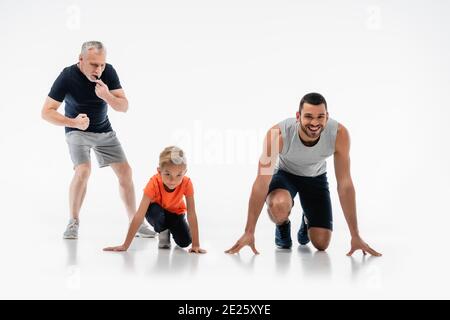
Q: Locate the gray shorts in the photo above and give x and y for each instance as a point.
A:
(106, 146)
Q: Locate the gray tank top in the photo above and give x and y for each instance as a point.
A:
(298, 159)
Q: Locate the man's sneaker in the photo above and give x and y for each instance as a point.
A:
(302, 235)
(144, 231)
(283, 236)
(71, 230)
(164, 239)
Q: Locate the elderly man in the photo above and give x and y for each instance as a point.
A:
(87, 88)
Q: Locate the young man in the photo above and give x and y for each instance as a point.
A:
(297, 149)
(87, 88)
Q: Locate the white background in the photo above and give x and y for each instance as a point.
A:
(212, 77)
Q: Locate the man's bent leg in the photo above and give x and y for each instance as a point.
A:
(77, 192)
(316, 203)
(78, 187)
(279, 205)
(126, 190)
(126, 186)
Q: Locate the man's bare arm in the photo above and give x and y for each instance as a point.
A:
(273, 144)
(346, 190)
(50, 113)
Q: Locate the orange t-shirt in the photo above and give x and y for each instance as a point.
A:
(170, 201)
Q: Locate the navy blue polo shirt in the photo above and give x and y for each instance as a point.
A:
(79, 96)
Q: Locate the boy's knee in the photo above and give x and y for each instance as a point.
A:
(183, 243)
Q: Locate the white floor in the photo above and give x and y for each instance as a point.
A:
(407, 227)
(38, 263)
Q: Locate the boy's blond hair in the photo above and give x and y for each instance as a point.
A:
(172, 155)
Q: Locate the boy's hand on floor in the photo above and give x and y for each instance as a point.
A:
(197, 250)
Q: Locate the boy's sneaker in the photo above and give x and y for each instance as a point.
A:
(283, 235)
(71, 230)
(302, 234)
(144, 231)
(164, 239)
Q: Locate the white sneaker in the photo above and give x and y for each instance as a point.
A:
(145, 232)
(71, 230)
(164, 239)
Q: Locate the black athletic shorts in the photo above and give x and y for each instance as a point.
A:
(313, 193)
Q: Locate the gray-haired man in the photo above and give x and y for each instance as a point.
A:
(87, 88)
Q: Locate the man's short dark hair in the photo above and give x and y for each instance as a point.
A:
(314, 99)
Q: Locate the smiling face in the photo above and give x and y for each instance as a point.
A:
(92, 63)
(172, 175)
(313, 119)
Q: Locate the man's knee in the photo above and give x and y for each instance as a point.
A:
(279, 209)
(320, 238)
(82, 172)
(125, 176)
(321, 245)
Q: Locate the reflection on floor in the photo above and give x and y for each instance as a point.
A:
(46, 266)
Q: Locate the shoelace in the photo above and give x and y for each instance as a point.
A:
(72, 226)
